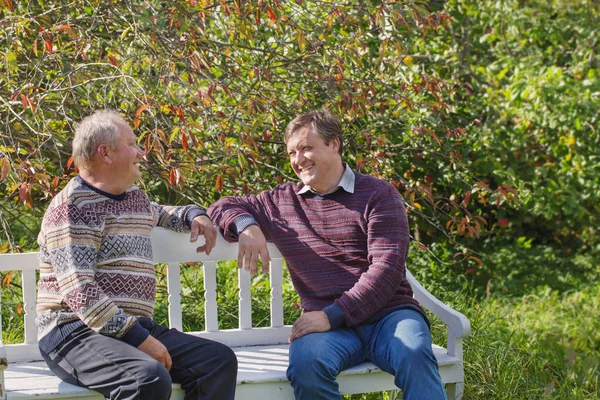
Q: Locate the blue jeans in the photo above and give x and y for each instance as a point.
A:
(399, 343)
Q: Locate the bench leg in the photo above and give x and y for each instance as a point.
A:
(455, 390)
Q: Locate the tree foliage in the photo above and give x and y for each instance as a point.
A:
(465, 109)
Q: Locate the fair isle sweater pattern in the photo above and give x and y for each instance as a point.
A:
(96, 259)
(346, 252)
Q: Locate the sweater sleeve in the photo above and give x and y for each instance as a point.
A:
(229, 210)
(178, 219)
(387, 248)
(72, 242)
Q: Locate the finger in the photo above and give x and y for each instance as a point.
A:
(247, 260)
(168, 362)
(201, 249)
(194, 230)
(211, 239)
(253, 263)
(266, 260)
(240, 257)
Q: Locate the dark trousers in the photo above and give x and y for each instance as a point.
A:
(205, 369)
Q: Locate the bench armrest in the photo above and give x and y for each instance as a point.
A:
(458, 324)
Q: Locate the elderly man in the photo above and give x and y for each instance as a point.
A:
(97, 282)
(345, 238)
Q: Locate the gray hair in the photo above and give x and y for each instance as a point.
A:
(323, 123)
(99, 128)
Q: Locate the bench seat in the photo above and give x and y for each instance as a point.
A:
(259, 367)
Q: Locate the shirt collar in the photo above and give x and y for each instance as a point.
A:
(346, 183)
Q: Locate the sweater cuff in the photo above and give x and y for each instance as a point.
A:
(335, 315)
(243, 222)
(136, 335)
(193, 212)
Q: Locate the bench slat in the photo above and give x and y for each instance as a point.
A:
(210, 296)
(29, 300)
(174, 287)
(276, 279)
(245, 301)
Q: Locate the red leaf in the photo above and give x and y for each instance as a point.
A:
(48, 44)
(7, 278)
(194, 140)
(69, 31)
(172, 177)
(465, 201)
(5, 166)
(272, 15)
(141, 109)
(112, 60)
(23, 192)
(184, 141)
(180, 113)
(55, 181)
(9, 4)
(69, 162)
(219, 183)
(24, 101)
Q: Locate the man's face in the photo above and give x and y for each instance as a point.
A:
(126, 156)
(317, 164)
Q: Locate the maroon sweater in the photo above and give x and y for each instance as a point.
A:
(346, 252)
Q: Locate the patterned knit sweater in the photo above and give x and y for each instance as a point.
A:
(96, 261)
(346, 252)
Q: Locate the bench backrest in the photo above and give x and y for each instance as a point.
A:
(172, 249)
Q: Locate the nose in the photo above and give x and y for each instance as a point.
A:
(300, 157)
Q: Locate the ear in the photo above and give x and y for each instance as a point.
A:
(335, 144)
(103, 153)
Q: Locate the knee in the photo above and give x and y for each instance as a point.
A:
(228, 359)
(306, 368)
(154, 382)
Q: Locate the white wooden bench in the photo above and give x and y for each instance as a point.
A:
(262, 352)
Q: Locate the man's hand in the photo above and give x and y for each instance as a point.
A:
(309, 322)
(202, 225)
(252, 244)
(156, 350)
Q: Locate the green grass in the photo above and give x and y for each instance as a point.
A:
(544, 344)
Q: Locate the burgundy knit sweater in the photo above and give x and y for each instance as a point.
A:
(346, 252)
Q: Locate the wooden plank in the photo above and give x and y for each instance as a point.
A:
(29, 300)
(276, 292)
(245, 301)
(210, 296)
(174, 288)
(19, 262)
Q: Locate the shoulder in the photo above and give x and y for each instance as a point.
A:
(283, 191)
(68, 203)
(376, 186)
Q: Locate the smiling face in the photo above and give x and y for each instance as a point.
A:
(125, 157)
(317, 164)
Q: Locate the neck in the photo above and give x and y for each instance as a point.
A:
(102, 181)
(336, 177)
